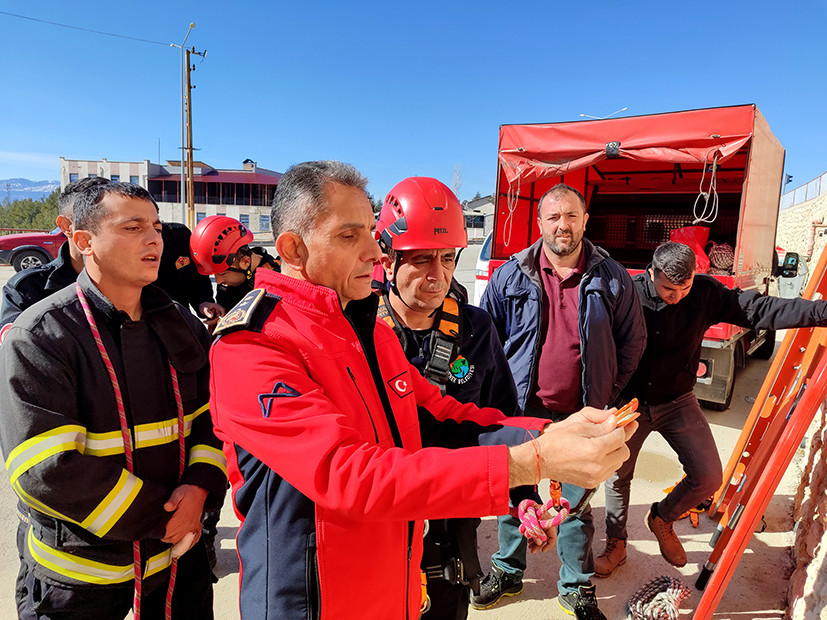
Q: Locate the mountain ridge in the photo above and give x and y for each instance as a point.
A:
(18, 188)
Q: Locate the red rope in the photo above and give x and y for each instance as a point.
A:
(182, 455)
(128, 447)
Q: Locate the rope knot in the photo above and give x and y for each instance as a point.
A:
(530, 513)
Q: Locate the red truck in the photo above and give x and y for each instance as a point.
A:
(716, 170)
(30, 248)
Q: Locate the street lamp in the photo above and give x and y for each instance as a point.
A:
(183, 139)
(600, 118)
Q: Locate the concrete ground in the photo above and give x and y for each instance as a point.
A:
(757, 591)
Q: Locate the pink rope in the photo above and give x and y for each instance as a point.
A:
(128, 447)
(530, 513)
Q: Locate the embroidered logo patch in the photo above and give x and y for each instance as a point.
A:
(461, 370)
(182, 262)
(280, 390)
(401, 385)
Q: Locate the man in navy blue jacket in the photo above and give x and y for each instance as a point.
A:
(573, 331)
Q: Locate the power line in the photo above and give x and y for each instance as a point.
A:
(108, 34)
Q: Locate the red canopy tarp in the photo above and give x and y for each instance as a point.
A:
(532, 152)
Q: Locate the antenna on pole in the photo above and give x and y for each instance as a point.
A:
(183, 116)
(188, 105)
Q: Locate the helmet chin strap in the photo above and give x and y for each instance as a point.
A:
(248, 273)
(393, 286)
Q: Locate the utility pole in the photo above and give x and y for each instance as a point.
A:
(188, 105)
(181, 187)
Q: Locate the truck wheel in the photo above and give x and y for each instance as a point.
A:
(28, 259)
(708, 404)
(765, 351)
(738, 359)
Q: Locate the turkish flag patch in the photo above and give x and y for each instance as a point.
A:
(401, 384)
(3, 331)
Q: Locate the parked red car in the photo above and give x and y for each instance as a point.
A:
(30, 249)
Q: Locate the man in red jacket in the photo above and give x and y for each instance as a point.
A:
(322, 419)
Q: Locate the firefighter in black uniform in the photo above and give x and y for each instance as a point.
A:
(106, 429)
(31, 285)
(453, 345)
(178, 276)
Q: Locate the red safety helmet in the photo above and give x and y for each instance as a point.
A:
(215, 241)
(421, 213)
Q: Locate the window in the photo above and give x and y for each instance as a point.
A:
(92, 176)
(263, 223)
(244, 218)
(115, 178)
(134, 179)
(475, 221)
(73, 176)
(199, 216)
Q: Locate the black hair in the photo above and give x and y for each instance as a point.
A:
(89, 208)
(562, 188)
(66, 200)
(675, 260)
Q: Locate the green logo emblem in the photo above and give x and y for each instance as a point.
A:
(460, 367)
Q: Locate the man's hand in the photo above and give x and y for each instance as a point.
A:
(585, 449)
(187, 505)
(551, 532)
(213, 312)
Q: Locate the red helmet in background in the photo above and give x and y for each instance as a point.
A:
(421, 213)
(215, 241)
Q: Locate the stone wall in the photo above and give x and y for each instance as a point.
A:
(808, 584)
(795, 230)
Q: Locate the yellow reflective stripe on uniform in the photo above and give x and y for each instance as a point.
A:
(37, 505)
(104, 444)
(159, 433)
(77, 568)
(107, 513)
(200, 410)
(40, 447)
(145, 435)
(203, 453)
(157, 563)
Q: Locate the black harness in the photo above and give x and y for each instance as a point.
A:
(444, 341)
(450, 550)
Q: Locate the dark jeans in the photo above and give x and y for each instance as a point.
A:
(191, 599)
(683, 425)
(574, 538)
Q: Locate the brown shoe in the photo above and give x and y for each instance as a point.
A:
(613, 555)
(670, 547)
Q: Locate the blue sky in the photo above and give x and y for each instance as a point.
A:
(397, 89)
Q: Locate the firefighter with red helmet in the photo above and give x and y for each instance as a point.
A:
(453, 345)
(220, 246)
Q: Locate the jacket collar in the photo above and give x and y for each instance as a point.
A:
(62, 273)
(648, 285)
(315, 299)
(182, 346)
